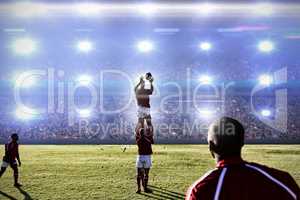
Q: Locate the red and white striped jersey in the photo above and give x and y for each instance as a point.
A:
(235, 179)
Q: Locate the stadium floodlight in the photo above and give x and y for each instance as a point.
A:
(206, 113)
(85, 46)
(265, 80)
(25, 113)
(266, 113)
(145, 46)
(205, 79)
(84, 80)
(266, 46)
(24, 46)
(205, 46)
(84, 113)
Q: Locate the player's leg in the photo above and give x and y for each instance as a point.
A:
(147, 167)
(3, 168)
(139, 178)
(146, 178)
(139, 173)
(142, 177)
(141, 117)
(14, 166)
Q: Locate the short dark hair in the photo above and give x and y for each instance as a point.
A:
(148, 74)
(14, 136)
(226, 137)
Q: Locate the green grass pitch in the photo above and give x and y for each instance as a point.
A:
(105, 172)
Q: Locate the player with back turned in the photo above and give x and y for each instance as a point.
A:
(235, 179)
(144, 141)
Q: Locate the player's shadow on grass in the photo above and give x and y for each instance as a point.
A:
(25, 194)
(7, 196)
(161, 193)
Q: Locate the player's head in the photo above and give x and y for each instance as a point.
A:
(14, 137)
(226, 137)
(148, 76)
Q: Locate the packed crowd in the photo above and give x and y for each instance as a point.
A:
(171, 123)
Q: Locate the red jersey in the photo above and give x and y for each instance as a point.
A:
(236, 179)
(144, 144)
(142, 97)
(11, 151)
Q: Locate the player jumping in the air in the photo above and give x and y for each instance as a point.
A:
(143, 100)
(11, 157)
(144, 140)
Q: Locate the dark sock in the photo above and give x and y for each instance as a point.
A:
(2, 171)
(138, 180)
(145, 183)
(16, 174)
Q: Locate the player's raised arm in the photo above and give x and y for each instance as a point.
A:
(149, 136)
(149, 91)
(151, 85)
(138, 137)
(138, 85)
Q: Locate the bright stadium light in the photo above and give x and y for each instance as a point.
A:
(84, 80)
(266, 46)
(24, 46)
(205, 46)
(145, 46)
(206, 113)
(84, 113)
(25, 113)
(205, 79)
(85, 46)
(265, 80)
(266, 113)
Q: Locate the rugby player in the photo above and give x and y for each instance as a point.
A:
(11, 157)
(234, 178)
(144, 140)
(143, 100)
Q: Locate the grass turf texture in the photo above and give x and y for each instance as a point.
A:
(105, 172)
